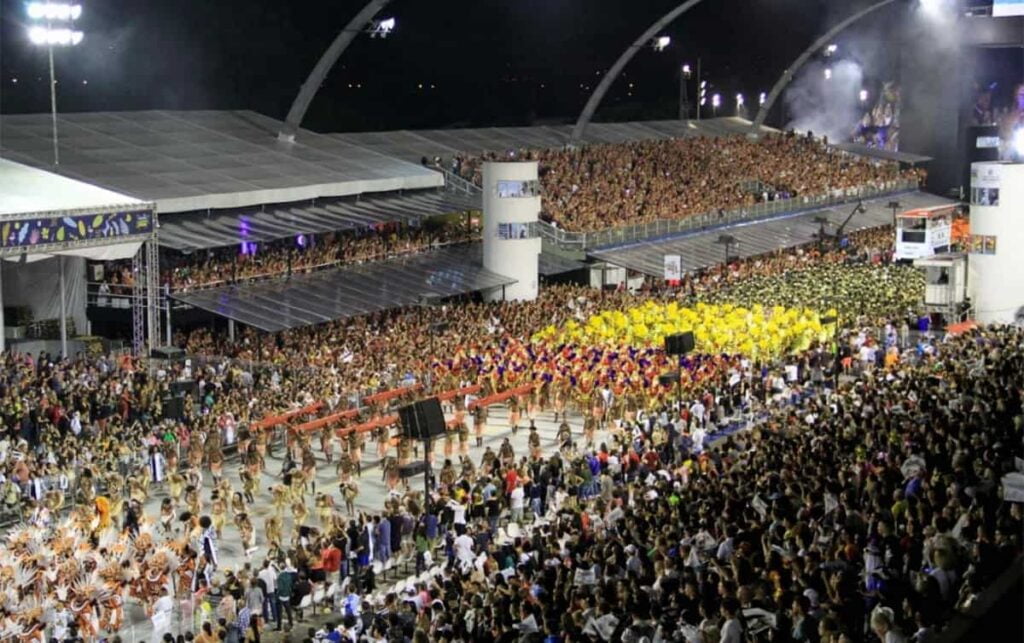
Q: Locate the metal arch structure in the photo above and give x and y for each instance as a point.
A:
(620, 64)
(820, 43)
(324, 66)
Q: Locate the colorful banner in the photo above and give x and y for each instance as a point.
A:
(30, 233)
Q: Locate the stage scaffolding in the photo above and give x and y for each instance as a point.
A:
(95, 233)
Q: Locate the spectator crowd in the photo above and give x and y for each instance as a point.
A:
(602, 186)
(847, 492)
(254, 261)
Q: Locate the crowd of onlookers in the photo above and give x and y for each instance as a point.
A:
(867, 512)
(254, 261)
(601, 186)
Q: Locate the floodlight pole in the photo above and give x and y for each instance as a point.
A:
(620, 64)
(684, 103)
(698, 89)
(53, 104)
(790, 73)
(324, 66)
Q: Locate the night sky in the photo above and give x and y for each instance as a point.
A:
(480, 62)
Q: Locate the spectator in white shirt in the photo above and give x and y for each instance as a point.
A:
(464, 550)
(516, 502)
(732, 630)
(269, 577)
(458, 516)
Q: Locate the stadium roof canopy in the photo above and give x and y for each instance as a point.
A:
(701, 249)
(413, 145)
(187, 232)
(27, 190)
(199, 160)
(348, 291)
(549, 263)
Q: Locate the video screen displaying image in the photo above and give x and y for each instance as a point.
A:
(1004, 8)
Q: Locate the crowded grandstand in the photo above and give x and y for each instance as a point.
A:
(599, 186)
(827, 460)
(826, 466)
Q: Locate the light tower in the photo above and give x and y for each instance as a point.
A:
(52, 24)
(511, 207)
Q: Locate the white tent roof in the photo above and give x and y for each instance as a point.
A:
(197, 160)
(28, 190)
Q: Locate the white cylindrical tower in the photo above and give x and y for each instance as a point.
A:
(996, 265)
(511, 241)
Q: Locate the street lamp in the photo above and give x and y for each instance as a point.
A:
(684, 98)
(52, 24)
(863, 95)
(828, 73)
(661, 42)
(716, 102)
(739, 103)
(762, 98)
(831, 49)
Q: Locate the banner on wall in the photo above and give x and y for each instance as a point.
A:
(673, 268)
(42, 231)
(986, 175)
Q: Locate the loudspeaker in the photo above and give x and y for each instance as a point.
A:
(181, 388)
(412, 469)
(167, 352)
(422, 420)
(668, 379)
(679, 344)
(174, 408)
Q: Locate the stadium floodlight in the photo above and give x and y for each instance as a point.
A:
(382, 28)
(54, 11)
(863, 95)
(828, 73)
(54, 37)
(716, 100)
(762, 98)
(831, 49)
(739, 101)
(52, 25)
(661, 42)
(687, 71)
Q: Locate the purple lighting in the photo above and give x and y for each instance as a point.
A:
(300, 241)
(248, 247)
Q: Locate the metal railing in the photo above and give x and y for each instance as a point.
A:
(455, 183)
(757, 187)
(582, 241)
